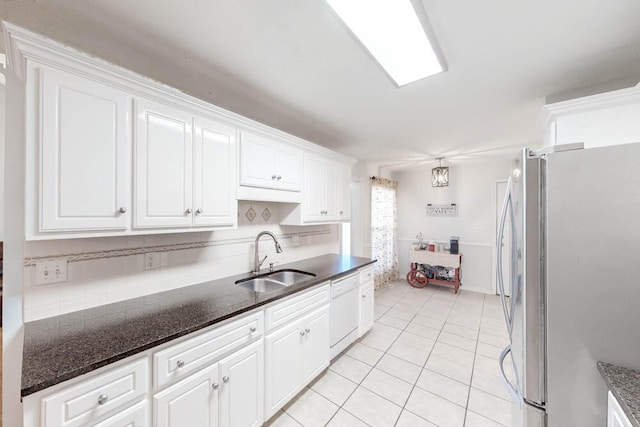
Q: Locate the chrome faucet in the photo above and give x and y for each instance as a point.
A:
(256, 259)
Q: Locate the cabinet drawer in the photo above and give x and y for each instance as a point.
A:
(184, 358)
(87, 400)
(366, 274)
(136, 416)
(284, 312)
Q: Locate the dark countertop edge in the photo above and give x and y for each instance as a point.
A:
(24, 392)
(605, 370)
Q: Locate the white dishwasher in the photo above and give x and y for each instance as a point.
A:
(344, 313)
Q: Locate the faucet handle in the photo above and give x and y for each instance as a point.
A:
(271, 266)
(261, 262)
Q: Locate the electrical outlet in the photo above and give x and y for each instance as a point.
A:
(295, 240)
(51, 272)
(151, 261)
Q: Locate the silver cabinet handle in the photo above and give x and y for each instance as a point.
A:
(122, 210)
(198, 211)
(214, 386)
(180, 363)
(301, 333)
(307, 330)
(252, 329)
(102, 399)
(279, 178)
(341, 212)
(188, 211)
(273, 177)
(225, 379)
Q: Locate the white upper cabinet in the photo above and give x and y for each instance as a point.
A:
(85, 141)
(326, 194)
(214, 164)
(163, 166)
(269, 170)
(185, 169)
(343, 185)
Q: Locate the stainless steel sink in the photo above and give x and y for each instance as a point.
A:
(289, 276)
(273, 281)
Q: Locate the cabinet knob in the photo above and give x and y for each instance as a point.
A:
(252, 329)
(279, 178)
(225, 379)
(180, 363)
(302, 333)
(102, 399)
(198, 211)
(364, 296)
(273, 177)
(307, 330)
(341, 212)
(122, 210)
(214, 386)
(188, 211)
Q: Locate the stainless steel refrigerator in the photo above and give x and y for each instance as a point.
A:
(575, 280)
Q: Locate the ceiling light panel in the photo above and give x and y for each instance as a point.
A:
(393, 34)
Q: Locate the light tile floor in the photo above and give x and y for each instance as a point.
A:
(431, 359)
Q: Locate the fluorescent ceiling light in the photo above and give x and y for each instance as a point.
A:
(393, 34)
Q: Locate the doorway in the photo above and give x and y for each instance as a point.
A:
(501, 190)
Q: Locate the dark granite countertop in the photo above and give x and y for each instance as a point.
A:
(624, 383)
(59, 348)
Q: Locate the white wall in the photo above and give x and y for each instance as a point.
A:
(473, 187)
(105, 278)
(361, 237)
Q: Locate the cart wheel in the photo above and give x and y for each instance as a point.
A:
(417, 278)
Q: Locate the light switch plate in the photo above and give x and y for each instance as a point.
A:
(295, 240)
(51, 272)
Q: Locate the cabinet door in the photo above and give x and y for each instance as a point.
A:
(84, 152)
(163, 160)
(283, 366)
(257, 168)
(136, 416)
(332, 190)
(316, 343)
(366, 318)
(242, 387)
(192, 402)
(288, 168)
(615, 415)
(214, 186)
(344, 192)
(314, 189)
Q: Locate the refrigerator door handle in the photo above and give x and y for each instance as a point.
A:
(513, 391)
(506, 205)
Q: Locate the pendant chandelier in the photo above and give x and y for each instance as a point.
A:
(440, 175)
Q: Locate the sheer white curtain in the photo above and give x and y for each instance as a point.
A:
(384, 226)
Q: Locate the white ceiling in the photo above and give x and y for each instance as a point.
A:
(291, 64)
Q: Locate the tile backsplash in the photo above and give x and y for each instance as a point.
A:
(110, 269)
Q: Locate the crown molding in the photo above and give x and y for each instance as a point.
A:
(588, 103)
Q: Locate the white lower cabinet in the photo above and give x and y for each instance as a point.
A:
(615, 415)
(294, 355)
(227, 393)
(366, 303)
(241, 389)
(193, 401)
(136, 416)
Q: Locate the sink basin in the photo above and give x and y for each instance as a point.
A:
(273, 281)
(289, 276)
(262, 285)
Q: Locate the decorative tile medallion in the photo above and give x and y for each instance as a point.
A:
(251, 214)
(266, 214)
